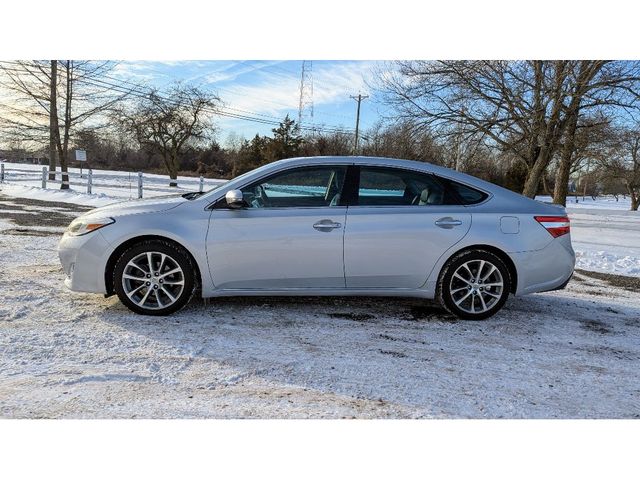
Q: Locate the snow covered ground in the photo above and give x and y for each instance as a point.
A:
(605, 202)
(606, 241)
(565, 354)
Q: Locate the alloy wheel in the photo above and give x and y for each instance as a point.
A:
(153, 280)
(476, 286)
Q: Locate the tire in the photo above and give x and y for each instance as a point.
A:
(470, 296)
(165, 288)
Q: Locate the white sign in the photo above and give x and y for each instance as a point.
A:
(81, 155)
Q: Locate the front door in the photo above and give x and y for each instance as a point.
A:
(289, 236)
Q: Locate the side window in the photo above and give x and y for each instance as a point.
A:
(300, 187)
(382, 186)
(467, 195)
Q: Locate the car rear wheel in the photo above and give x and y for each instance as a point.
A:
(154, 278)
(474, 285)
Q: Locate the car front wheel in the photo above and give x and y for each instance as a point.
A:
(154, 277)
(474, 285)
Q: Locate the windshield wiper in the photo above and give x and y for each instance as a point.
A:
(192, 195)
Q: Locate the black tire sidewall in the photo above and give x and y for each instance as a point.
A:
(444, 283)
(175, 252)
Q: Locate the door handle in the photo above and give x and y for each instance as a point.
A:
(448, 222)
(326, 225)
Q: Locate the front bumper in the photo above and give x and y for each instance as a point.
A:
(84, 259)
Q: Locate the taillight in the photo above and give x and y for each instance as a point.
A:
(556, 226)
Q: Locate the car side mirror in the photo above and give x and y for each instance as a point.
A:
(234, 199)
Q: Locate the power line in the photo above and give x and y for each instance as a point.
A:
(140, 91)
(275, 122)
(250, 117)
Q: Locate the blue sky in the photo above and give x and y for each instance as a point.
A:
(269, 89)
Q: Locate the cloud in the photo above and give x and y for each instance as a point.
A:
(275, 92)
(137, 71)
(231, 71)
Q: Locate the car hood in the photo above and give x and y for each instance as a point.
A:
(132, 207)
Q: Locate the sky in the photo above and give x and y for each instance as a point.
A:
(269, 89)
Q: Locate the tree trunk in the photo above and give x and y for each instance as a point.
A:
(64, 169)
(561, 188)
(535, 174)
(173, 172)
(551, 133)
(588, 70)
(634, 196)
(64, 166)
(173, 180)
(172, 167)
(533, 181)
(53, 120)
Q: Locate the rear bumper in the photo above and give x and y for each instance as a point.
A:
(543, 270)
(563, 286)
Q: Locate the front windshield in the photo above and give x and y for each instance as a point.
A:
(240, 177)
(216, 187)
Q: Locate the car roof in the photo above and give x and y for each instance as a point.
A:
(357, 160)
(387, 162)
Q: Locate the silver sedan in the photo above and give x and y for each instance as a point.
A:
(325, 226)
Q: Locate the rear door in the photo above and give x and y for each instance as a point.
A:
(401, 223)
(289, 236)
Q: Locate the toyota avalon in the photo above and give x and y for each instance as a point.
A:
(325, 226)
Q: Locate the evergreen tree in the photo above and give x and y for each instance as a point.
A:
(286, 141)
(250, 155)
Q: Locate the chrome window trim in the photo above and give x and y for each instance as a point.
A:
(427, 171)
(412, 207)
(278, 208)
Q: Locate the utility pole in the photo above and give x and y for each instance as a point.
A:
(358, 99)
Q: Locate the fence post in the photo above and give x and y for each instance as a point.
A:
(201, 183)
(89, 181)
(1, 172)
(45, 173)
(139, 184)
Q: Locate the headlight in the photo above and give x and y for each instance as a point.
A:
(82, 226)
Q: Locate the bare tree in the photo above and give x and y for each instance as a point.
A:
(514, 106)
(401, 139)
(169, 123)
(47, 101)
(29, 91)
(523, 108)
(595, 85)
(623, 163)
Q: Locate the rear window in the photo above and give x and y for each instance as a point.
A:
(388, 186)
(466, 194)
